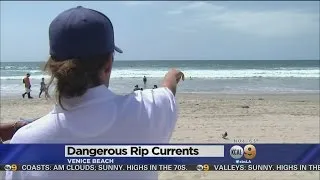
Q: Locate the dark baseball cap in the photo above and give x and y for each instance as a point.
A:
(80, 32)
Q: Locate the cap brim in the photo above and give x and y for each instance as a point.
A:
(118, 49)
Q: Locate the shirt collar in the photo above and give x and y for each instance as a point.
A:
(93, 95)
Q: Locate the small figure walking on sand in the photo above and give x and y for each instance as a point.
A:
(144, 81)
(44, 89)
(27, 86)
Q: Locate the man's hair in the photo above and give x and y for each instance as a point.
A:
(75, 76)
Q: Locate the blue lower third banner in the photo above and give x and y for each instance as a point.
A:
(160, 154)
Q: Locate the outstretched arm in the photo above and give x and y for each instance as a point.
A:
(172, 79)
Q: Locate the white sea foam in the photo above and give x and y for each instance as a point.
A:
(38, 77)
(17, 68)
(216, 74)
(206, 74)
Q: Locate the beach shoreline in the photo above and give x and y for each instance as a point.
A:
(232, 77)
(202, 118)
(205, 93)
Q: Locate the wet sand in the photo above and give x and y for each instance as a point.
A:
(263, 118)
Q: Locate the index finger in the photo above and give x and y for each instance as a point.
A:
(181, 75)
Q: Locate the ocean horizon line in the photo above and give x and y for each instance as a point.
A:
(175, 60)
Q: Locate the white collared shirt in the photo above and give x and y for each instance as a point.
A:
(100, 116)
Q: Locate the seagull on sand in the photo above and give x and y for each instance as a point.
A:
(224, 135)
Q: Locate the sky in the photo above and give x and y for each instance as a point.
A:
(176, 30)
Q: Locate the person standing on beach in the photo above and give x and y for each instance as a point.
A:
(42, 87)
(144, 81)
(27, 85)
(81, 58)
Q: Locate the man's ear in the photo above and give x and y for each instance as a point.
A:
(108, 65)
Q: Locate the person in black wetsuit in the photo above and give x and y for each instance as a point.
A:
(144, 81)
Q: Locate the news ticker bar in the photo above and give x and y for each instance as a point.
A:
(173, 167)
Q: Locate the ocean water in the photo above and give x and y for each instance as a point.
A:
(201, 76)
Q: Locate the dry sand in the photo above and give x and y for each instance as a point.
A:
(281, 118)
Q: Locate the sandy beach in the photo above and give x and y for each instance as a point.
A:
(263, 118)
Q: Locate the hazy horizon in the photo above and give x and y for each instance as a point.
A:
(172, 60)
(175, 60)
(147, 30)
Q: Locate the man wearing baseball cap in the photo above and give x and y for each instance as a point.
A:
(87, 112)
